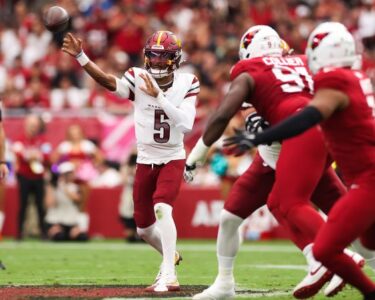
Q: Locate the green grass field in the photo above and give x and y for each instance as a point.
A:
(269, 269)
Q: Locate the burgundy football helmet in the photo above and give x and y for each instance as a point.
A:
(162, 54)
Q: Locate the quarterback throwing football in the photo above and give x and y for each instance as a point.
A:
(164, 109)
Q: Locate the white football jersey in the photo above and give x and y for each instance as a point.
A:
(160, 125)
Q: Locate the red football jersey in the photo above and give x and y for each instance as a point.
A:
(350, 133)
(282, 84)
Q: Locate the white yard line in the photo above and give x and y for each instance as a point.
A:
(141, 247)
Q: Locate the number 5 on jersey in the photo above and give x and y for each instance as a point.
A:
(163, 128)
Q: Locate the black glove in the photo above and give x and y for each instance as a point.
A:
(240, 142)
(255, 123)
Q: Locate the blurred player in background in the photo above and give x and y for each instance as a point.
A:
(277, 86)
(344, 100)
(63, 197)
(32, 152)
(126, 206)
(164, 109)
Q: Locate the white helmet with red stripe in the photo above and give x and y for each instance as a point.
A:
(258, 41)
(330, 45)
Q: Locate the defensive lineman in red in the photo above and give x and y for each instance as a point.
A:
(344, 103)
(278, 86)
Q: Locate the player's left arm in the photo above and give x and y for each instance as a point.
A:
(325, 102)
(239, 91)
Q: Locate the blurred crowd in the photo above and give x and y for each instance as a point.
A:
(34, 73)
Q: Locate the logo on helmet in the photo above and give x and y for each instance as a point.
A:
(259, 40)
(248, 38)
(318, 39)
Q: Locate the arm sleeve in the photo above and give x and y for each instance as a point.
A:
(184, 115)
(125, 85)
(292, 126)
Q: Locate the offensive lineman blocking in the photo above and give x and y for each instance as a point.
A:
(164, 109)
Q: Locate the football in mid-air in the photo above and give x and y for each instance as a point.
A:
(56, 19)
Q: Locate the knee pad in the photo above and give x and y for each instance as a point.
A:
(162, 210)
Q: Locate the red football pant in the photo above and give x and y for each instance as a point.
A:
(353, 216)
(299, 168)
(252, 188)
(154, 184)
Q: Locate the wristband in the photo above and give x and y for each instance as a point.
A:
(82, 58)
(3, 162)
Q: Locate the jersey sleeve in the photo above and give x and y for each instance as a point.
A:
(125, 86)
(194, 89)
(249, 66)
(237, 69)
(332, 79)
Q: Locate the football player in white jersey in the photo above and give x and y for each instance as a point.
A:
(164, 109)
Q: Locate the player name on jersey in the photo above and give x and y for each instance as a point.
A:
(283, 61)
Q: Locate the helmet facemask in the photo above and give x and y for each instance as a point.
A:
(162, 54)
(161, 63)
